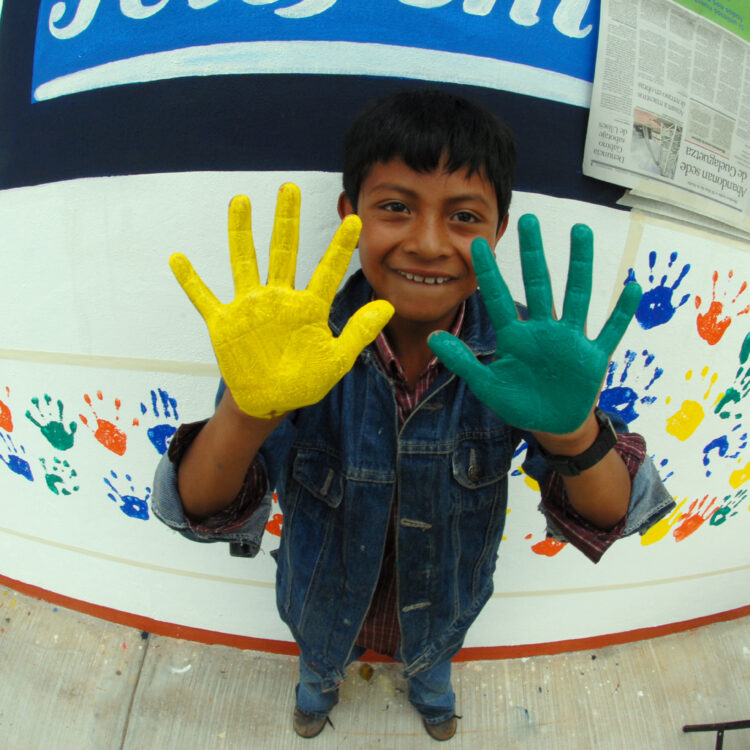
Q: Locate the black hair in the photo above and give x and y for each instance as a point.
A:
(420, 127)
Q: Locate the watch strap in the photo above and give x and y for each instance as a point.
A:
(572, 466)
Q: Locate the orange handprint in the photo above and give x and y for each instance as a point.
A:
(6, 418)
(106, 432)
(697, 514)
(713, 323)
(274, 525)
(548, 547)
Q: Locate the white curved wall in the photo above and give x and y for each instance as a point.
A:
(93, 314)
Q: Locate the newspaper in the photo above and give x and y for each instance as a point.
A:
(670, 108)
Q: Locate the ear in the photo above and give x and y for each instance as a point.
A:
(345, 207)
(501, 229)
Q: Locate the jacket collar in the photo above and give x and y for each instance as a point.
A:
(478, 333)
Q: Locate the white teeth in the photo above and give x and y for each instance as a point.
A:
(425, 279)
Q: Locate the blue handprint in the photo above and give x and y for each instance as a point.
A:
(656, 306)
(622, 399)
(160, 434)
(15, 461)
(662, 468)
(735, 441)
(130, 504)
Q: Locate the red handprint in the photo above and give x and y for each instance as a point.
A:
(6, 418)
(548, 547)
(106, 432)
(277, 520)
(697, 514)
(713, 324)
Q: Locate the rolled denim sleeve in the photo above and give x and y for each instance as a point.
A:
(242, 524)
(649, 499)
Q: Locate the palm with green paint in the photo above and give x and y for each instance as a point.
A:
(739, 390)
(50, 422)
(548, 372)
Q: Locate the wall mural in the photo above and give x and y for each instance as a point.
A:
(127, 96)
(155, 419)
(702, 413)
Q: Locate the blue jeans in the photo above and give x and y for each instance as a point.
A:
(430, 691)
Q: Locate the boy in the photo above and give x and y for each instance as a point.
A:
(391, 471)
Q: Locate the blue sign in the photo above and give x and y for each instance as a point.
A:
(542, 47)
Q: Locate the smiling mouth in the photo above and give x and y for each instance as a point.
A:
(424, 279)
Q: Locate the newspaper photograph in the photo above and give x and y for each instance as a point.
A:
(671, 101)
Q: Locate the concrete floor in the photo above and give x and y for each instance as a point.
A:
(73, 682)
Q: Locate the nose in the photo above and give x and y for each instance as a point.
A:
(429, 239)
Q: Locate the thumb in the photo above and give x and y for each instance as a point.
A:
(192, 284)
(457, 357)
(362, 329)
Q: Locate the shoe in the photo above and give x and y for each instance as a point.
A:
(308, 726)
(442, 731)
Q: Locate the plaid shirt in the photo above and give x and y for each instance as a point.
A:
(380, 631)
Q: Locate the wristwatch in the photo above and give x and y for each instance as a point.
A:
(572, 466)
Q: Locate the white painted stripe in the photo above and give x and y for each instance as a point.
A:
(112, 363)
(270, 584)
(137, 563)
(325, 58)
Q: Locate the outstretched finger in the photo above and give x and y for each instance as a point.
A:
(495, 293)
(458, 358)
(241, 246)
(362, 329)
(282, 263)
(578, 288)
(198, 293)
(534, 268)
(620, 318)
(331, 269)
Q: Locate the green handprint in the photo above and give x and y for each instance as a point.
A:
(548, 372)
(50, 423)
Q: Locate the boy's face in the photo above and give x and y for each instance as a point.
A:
(417, 230)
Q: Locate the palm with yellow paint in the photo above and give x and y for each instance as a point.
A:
(661, 528)
(699, 511)
(740, 476)
(686, 420)
(273, 344)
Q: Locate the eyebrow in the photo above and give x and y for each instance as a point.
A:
(394, 186)
(462, 198)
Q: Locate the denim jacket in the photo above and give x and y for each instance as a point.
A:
(338, 465)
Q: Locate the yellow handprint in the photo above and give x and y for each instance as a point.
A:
(661, 528)
(684, 422)
(275, 350)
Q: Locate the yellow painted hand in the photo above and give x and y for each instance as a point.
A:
(275, 350)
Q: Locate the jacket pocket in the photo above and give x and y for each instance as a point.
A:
(319, 473)
(478, 467)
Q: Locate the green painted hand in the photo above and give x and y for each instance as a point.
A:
(273, 344)
(548, 373)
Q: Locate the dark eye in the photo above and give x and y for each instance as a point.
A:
(395, 207)
(466, 217)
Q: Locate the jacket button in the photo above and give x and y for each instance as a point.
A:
(474, 472)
